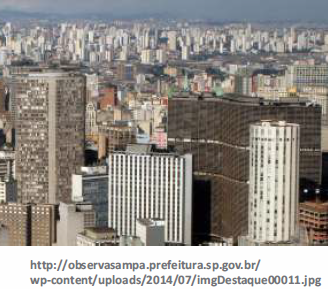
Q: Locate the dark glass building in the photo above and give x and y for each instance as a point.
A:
(216, 131)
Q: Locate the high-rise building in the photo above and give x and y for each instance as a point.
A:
(215, 130)
(50, 111)
(273, 182)
(15, 224)
(148, 184)
(172, 35)
(27, 225)
(43, 225)
(185, 53)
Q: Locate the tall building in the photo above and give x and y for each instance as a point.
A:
(27, 225)
(172, 36)
(185, 53)
(215, 130)
(15, 224)
(147, 184)
(50, 133)
(274, 182)
(43, 225)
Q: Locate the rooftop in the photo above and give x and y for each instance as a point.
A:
(321, 207)
(245, 100)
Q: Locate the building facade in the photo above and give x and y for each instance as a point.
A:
(145, 184)
(215, 130)
(314, 222)
(50, 134)
(27, 224)
(274, 182)
(91, 186)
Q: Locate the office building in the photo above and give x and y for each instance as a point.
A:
(274, 182)
(91, 186)
(50, 111)
(215, 130)
(148, 184)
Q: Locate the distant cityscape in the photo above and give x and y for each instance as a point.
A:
(154, 132)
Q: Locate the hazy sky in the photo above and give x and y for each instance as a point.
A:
(214, 9)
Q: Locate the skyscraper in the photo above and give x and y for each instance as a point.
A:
(215, 130)
(50, 133)
(274, 182)
(145, 184)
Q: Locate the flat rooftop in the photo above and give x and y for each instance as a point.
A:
(246, 100)
(315, 206)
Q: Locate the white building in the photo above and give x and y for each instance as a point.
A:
(185, 53)
(274, 182)
(147, 57)
(172, 36)
(151, 232)
(144, 184)
(91, 126)
(161, 56)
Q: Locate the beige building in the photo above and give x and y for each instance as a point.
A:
(27, 225)
(15, 222)
(50, 133)
(43, 225)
